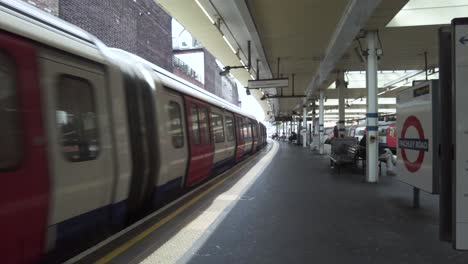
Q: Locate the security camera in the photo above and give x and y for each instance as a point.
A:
(225, 71)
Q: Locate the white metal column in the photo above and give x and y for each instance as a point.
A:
(304, 127)
(313, 142)
(341, 103)
(321, 125)
(372, 174)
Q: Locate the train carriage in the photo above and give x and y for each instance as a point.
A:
(95, 138)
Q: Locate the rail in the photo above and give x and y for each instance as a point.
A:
(179, 64)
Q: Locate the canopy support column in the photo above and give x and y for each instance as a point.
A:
(372, 173)
(304, 127)
(321, 125)
(340, 82)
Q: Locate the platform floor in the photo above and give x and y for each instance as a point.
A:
(304, 212)
(298, 210)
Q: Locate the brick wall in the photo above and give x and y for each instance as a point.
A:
(220, 85)
(184, 76)
(212, 78)
(137, 26)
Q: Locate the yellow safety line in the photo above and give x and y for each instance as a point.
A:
(114, 253)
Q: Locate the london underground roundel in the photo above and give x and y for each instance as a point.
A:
(420, 144)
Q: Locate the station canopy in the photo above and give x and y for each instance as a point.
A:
(314, 39)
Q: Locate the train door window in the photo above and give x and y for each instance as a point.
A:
(218, 127)
(76, 118)
(254, 130)
(10, 134)
(175, 125)
(244, 134)
(195, 124)
(246, 129)
(229, 128)
(205, 129)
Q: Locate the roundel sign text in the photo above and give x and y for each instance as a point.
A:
(420, 144)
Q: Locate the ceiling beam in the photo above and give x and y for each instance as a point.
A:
(363, 106)
(360, 92)
(352, 21)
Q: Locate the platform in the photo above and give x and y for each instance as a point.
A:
(288, 206)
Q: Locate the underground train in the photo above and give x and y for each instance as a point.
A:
(387, 133)
(94, 138)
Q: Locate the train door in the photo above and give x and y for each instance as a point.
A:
(230, 131)
(173, 144)
(217, 124)
(391, 137)
(201, 143)
(255, 136)
(248, 135)
(80, 150)
(240, 137)
(259, 135)
(24, 187)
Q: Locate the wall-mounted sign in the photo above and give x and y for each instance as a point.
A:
(268, 83)
(416, 126)
(460, 129)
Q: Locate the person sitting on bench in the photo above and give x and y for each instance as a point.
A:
(293, 137)
(384, 154)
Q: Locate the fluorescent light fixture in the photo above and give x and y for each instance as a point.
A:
(206, 12)
(243, 64)
(251, 76)
(229, 44)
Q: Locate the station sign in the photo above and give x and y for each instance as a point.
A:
(416, 136)
(268, 83)
(460, 130)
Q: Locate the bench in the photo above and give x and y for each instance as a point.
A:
(343, 152)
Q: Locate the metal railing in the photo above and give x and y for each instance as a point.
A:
(179, 64)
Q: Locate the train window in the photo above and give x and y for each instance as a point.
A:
(218, 127)
(205, 129)
(195, 124)
(10, 134)
(229, 128)
(383, 132)
(175, 125)
(76, 118)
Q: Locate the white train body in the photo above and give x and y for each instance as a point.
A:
(96, 138)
